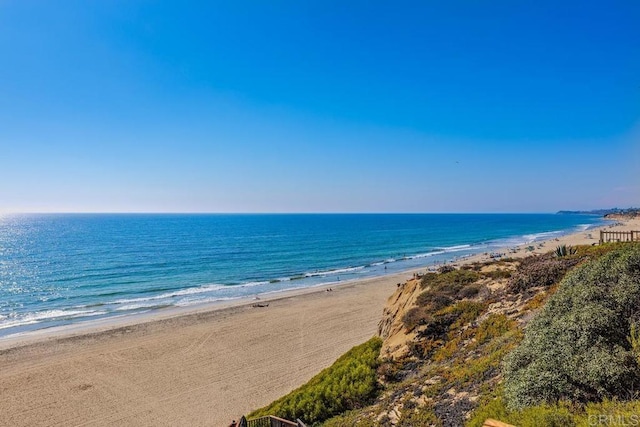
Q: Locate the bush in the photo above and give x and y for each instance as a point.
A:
(390, 370)
(415, 316)
(537, 416)
(420, 417)
(443, 290)
(535, 271)
(577, 348)
(462, 313)
(349, 383)
(350, 419)
(451, 281)
(428, 279)
(563, 414)
(498, 274)
(446, 269)
(433, 300)
(424, 348)
(469, 291)
(438, 325)
(494, 326)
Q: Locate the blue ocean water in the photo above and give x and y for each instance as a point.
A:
(59, 269)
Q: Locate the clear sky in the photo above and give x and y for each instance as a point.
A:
(319, 106)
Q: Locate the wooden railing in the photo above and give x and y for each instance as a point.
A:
(619, 236)
(271, 421)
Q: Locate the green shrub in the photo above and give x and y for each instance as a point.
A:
(438, 325)
(350, 419)
(535, 271)
(434, 300)
(498, 274)
(494, 326)
(428, 279)
(462, 313)
(577, 349)
(389, 370)
(424, 348)
(596, 251)
(419, 417)
(539, 299)
(610, 413)
(443, 290)
(537, 416)
(487, 364)
(469, 291)
(451, 281)
(349, 383)
(634, 340)
(606, 413)
(416, 316)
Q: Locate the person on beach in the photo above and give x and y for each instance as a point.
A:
(233, 423)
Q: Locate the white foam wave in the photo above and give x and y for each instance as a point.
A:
(129, 307)
(540, 236)
(440, 251)
(336, 271)
(455, 248)
(182, 292)
(250, 284)
(188, 302)
(31, 318)
(11, 324)
(426, 255)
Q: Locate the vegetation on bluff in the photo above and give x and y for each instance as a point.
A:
(579, 359)
(349, 383)
(579, 348)
(469, 359)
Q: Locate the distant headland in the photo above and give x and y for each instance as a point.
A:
(609, 213)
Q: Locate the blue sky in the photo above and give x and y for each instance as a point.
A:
(319, 106)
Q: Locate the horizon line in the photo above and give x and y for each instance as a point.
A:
(290, 213)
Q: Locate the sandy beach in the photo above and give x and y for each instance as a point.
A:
(587, 237)
(193, 370)
(203, 368)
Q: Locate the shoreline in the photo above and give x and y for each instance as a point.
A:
(97, 326)
(109, 324)
(54, 310)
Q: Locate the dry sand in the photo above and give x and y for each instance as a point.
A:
(204, 368)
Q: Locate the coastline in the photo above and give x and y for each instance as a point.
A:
(73, 284)
(169, 314)
(201, 364)
(97, 326)
(115, 319)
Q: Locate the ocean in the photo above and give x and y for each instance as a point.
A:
(59, 269)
